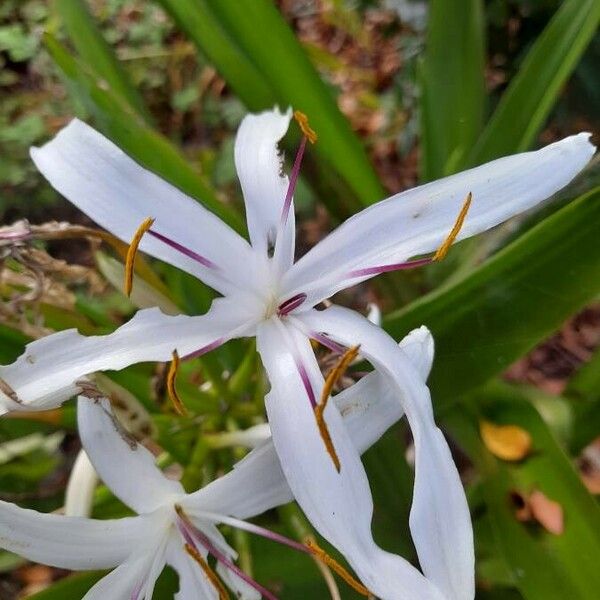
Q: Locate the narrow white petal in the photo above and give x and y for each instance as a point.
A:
(439, 520)
(257, 483)
(70, 542)
(236, 584)
(259, 165)
(193, 583)
(339, 505)
(79, 495)
(117, 193)
(126, 582)
(46, 374)
(124, 465)
(417, 221)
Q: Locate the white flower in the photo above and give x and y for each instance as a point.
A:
(139, 547)
(267, 295)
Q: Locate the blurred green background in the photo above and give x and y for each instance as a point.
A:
(400, 92)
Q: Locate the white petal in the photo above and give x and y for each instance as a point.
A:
(193, 583)
(236, 584)
(46, 374)
(124, 465)
(339, 505)
(117, 193)
(259, 165)
(417, 221)
(126, 581)
(439, 520)
(69, 542)
(255, 484)
(79, 495)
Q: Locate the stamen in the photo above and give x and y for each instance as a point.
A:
(403, 266)
(188, 529)
(307, 130)
(327, 342)
(210, 574)
(196, 353)
(132, 251)
(339, 569)
(310, 135)
(183, 249)
(172, 387)
(443, 249)
(291, 304)
(332, 378)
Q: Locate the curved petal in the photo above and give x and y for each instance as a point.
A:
(126, 582)
(79, 495)
(119, 194)
(257, 483)
(70, 542)
(47, 373)
(193, 584)
(259, 165)
(124, 465)
(439, 520)
(339, 505)
(417, 221)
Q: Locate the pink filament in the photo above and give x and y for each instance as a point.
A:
(291, 304)
(326, 341)
(191, 533)
(411, 264)
(306, 382)
(183, 249)
(196, 353)
(293, 181)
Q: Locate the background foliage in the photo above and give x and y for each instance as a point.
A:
(400, 92)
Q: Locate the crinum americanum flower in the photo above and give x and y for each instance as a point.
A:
(176, 528)
(268, 295)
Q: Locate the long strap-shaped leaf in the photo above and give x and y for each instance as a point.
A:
(527, 102)
(484, 322)
(97, 54)
(542, 564)
(452, 86)
(259, 29)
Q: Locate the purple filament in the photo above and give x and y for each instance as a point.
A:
(179, 247)
(411, 264)
(204, 349)
(293, 180)
(306, 382)
(191, 533)
(291, 304)
(326, 341)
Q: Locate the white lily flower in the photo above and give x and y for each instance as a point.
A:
(268, 295)
(139, 547)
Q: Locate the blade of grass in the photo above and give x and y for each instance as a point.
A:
(452, 85)
(526, 104)
(97, 54)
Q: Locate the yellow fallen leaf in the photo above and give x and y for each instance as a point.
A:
(508, 442)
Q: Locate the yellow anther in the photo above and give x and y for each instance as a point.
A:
(337, 568)
(332, 378)
(210, 574)
(172, 387)
(443, 249)
(307, 130)
(132, 251)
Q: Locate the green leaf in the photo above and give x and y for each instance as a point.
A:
(485, 321)
(452, 85)
(130, 133)
(543, 565)
(532, 93)
(199, 22)
(294, 82)
(97, 54)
